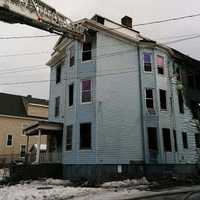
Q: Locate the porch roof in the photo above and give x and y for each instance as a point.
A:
(45, 127)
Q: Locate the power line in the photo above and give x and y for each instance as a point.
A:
(25, 54)
(27, 37)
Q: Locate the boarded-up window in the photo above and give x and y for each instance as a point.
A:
(57, 106)
(147, 62)
(69, 138)
(86, 91)
(180, 101)
(23, 151)
(163, 100)
(197, 140)
(160, 64)
(87, 51)
(185, 140)
(149, 99)
(152, 138)
(9, 140)
(167, 139)
(58, 73)
(71, 95)
(85, 136)
(175, 141)
(71, 56)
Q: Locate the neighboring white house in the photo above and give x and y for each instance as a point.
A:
(122, 100)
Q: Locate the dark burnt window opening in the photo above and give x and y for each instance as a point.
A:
(180, 101)
(58, 73)
(167, 139)
(87, 51)
(163, 99)
(72, 56)
(152, 138)
(175, 141)
(185, 140)
(69, 138)
(57, 106)
(9, 140)
(197, 140)
(149, 99)
(85, 136)
(71, 95)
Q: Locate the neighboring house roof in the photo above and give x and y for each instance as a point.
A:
(15, 105)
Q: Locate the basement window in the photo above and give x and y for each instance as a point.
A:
(180, 101)
(69, 138)
(163, 100)
(87, 51)
(149, 99)
(147, 62)
(71, 95)
(71, 56)
(167, 140)
(9, 140)
(185, 140)
(85, 136)
(58, 73)
(197, 140)
(160, 64)
(152, 138)
(57, 106)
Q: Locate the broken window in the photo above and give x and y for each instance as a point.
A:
(180, 101)
(175, 141)
(167, 139)
(71, 56)
(160, 64)
(58, 73)
(197, 140)
(9, 140)
(163, 100)
(152, 138)
(86, 91)
(87, 51)
(23, 151)
(147, 62)
(149, 99)
(85, 136)
(185, 140)
(57, 106)
(71, 95)
(69, 138)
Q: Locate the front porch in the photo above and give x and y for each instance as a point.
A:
(53, 152)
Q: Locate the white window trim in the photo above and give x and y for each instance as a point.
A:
(148, 72)
(7, 141)
(21, 149)
(85, 103)
(86, 61)
(150, 109)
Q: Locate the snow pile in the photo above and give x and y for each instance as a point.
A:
(126, 183)
(51, 181)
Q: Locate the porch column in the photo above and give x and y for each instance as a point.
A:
(38, 147)
(27, 155)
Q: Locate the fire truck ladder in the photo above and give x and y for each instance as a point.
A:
(37, 14)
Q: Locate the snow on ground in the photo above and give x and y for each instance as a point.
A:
(60, 190)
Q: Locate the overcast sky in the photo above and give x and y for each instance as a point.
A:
(140, 10)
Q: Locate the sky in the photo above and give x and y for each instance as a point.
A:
(15, 69)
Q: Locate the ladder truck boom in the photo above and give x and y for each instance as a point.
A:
(38, 14)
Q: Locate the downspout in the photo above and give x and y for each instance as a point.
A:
(141, 104)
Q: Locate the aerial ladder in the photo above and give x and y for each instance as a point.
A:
(38, 14)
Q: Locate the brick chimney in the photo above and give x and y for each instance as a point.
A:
(127, 21)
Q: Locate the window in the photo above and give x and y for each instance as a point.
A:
(71, 95)
(178, 74)
(147, 62)
(167, 139)
(163, 100)
(197, 140)
(152, 138)
(57, 106)
(22, 151)
(71, 56)
(87, 51)
(58, 73)
(86, 91)
(85, 136)
(185, 141)
(180, 101)
(160, 64)
(149, 99)
(175, 141)
(9, 140)
(69, 138)
(194, 106)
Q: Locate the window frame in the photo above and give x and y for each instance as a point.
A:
(86, 51)
(180, 101)
(148, 134)
(166, 102)
(21, 151)
(67, 139)
(197, 140)
(58, 66)
(57, 107)
(153, 99)
(11, 140)
(82, 148)
(159, 66)
(69, 99)
(151, 57)
(167, 145)
(175, 141)
(81, 91)
(185, 136)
